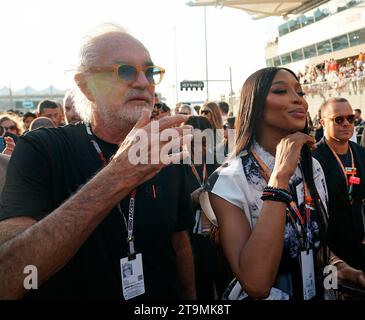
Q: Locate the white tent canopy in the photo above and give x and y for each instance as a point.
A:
(263, 8)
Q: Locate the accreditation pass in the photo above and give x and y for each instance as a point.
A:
(132, 277)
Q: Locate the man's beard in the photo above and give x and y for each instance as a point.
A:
(125, 116)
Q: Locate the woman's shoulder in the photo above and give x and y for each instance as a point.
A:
(229, 180)
(232, 166)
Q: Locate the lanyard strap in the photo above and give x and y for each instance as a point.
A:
(196, 174)
(262, 167)
(308, 201)
(128, 225)
(347, 171)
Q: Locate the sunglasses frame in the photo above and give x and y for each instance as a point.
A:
(343, 119)
(115, 67)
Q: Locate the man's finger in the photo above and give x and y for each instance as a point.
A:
(144, 120)
(172, 121)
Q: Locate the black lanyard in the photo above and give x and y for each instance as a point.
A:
(128, 225)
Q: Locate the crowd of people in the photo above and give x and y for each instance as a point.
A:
(330, 74)
(261, 214)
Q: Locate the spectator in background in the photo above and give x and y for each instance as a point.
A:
(362, 140)
(211, 111)
(160, 110)
(70, 113)
(229, 125)
(359, 125)
(361, 57)
(197, 109)
(187, 109)
(28, 117)
(11, 123)
(358, 120)
(224, 108)
(204, 249)
(343, 163)
(41, 122)
(50, 109)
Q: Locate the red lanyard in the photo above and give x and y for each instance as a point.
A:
(308, 200)
(128, 225)
(347, 171)
(196, 174)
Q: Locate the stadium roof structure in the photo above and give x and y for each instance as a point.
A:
(259, 9)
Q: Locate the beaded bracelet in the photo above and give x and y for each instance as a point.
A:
(276, 194)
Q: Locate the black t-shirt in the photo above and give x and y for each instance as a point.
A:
(48, 166)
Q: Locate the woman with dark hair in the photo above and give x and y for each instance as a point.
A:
(210, 269)
(269, 199)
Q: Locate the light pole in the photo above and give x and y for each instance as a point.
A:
(176, 83)
(231, 99)
(206, 51)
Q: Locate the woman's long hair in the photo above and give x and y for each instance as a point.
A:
(217, 122)
(251, 110)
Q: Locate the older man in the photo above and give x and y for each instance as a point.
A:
(77, 209)
(343, 163)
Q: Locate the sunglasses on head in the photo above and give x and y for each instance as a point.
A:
(129, 73)
(341, 119)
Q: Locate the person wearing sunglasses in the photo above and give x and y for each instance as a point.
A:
(87, 204)
(11, 123)
(160, 110)
(343, 162)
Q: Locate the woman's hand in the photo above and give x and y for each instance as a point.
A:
(9, 146)
(287, 157)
